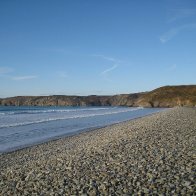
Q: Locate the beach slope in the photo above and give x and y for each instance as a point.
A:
(153, 154)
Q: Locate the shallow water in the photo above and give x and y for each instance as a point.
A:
(25, 126)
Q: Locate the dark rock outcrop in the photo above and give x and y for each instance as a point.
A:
(168, 96)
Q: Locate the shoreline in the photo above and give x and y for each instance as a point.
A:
(71, 134)
(144, 155)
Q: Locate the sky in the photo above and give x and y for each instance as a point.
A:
(95, 47)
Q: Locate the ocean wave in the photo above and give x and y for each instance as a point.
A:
(51, 111)
(69, 117)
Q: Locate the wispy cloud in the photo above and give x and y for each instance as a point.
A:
(5, 70)
(111, 59)
(178, 14)
(174, 31)
(106, 71)
(23, 77)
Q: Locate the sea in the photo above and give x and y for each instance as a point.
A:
(26, 126)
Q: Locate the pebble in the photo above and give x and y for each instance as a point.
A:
(153, 155)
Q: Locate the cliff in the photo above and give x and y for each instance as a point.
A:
(168, 96)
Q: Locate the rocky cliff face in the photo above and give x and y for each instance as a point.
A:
(168, 96)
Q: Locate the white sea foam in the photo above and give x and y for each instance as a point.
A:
(71, 117)
(50, 111)
(32, 125)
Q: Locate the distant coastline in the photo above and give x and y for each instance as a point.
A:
(167, 96)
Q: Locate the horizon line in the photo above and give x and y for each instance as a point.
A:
(76, 95)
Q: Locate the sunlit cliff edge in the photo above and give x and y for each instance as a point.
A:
(167, 96)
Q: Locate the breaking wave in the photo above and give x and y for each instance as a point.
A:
(68, 117)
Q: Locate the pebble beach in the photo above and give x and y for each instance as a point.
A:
(152, 155)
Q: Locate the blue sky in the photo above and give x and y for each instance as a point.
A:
(102, 47)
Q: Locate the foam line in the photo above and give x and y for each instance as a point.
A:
(66, 118)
